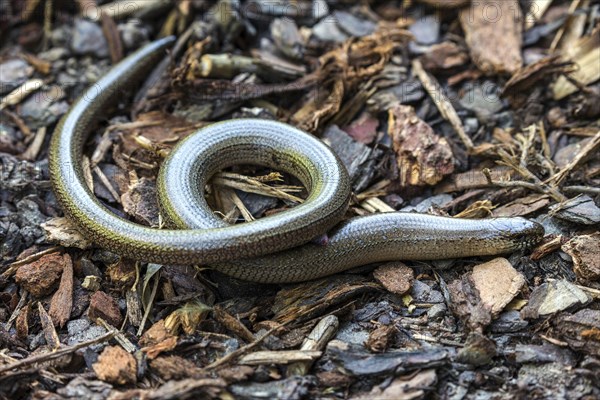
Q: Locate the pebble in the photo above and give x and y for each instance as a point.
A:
(133, 34)
(327, 30)
(42, 109)
(13, 73)
(88, 38)
(437, 311)
(423, 293)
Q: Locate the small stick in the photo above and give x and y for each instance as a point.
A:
(38, 358)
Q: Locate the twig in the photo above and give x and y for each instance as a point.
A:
(590, 148)
(442, 103)
(56, 354)
(511, 184)
(119, 337)
(527, 174)
(242, 350)
(12, 268)
(582, 189)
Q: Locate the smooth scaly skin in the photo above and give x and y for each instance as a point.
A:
(203, 238)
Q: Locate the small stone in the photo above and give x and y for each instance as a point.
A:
(13, 73)
(437, 311)
(104, 306)
(41, 277)
(327, 30)
(115, 365)
(551, 297)
(88, 39)
(81, 330)
(426, 30)
(396, 277)
(509, 322)
(580, 210)
(91, 283)
(133, 33)
(483, 100)
(478, 350)
(44, 108)
(423, 293)
(353, 25)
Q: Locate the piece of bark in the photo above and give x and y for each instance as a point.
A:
(444, 56)
(585, 251)
(423, 157)
(40, 277)
(396, 277)
(140, 202)
(62, 300)
(104, 306)
(498, 283)
(279, 357)
(175, 367)
(407, 387)
(467, 305)
(117, 366)
(233, 324)
(493, 31)
(522, 206)
(381, 338)
(581, 330)
(22, 323)
(360, 160)
(363, 129)
(552, 297)
(478, 350)
(48, 328)
(62, 231)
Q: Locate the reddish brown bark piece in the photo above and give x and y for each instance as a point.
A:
(41, 276)
(423, 157)
(493, 32)
(396, 277)
(62, 300)
(157, 339)
(115, 365)
(105, 307)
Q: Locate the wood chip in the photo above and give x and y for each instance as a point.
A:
(585, 251)
(62, 300)
(279, 357)
(62, 231)
(40, 277)
(48, 328)
(104, 306)
(498, 283)
(493, 32)
(115, 365)
(396, 277)
(436, 93)
(423, 157)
